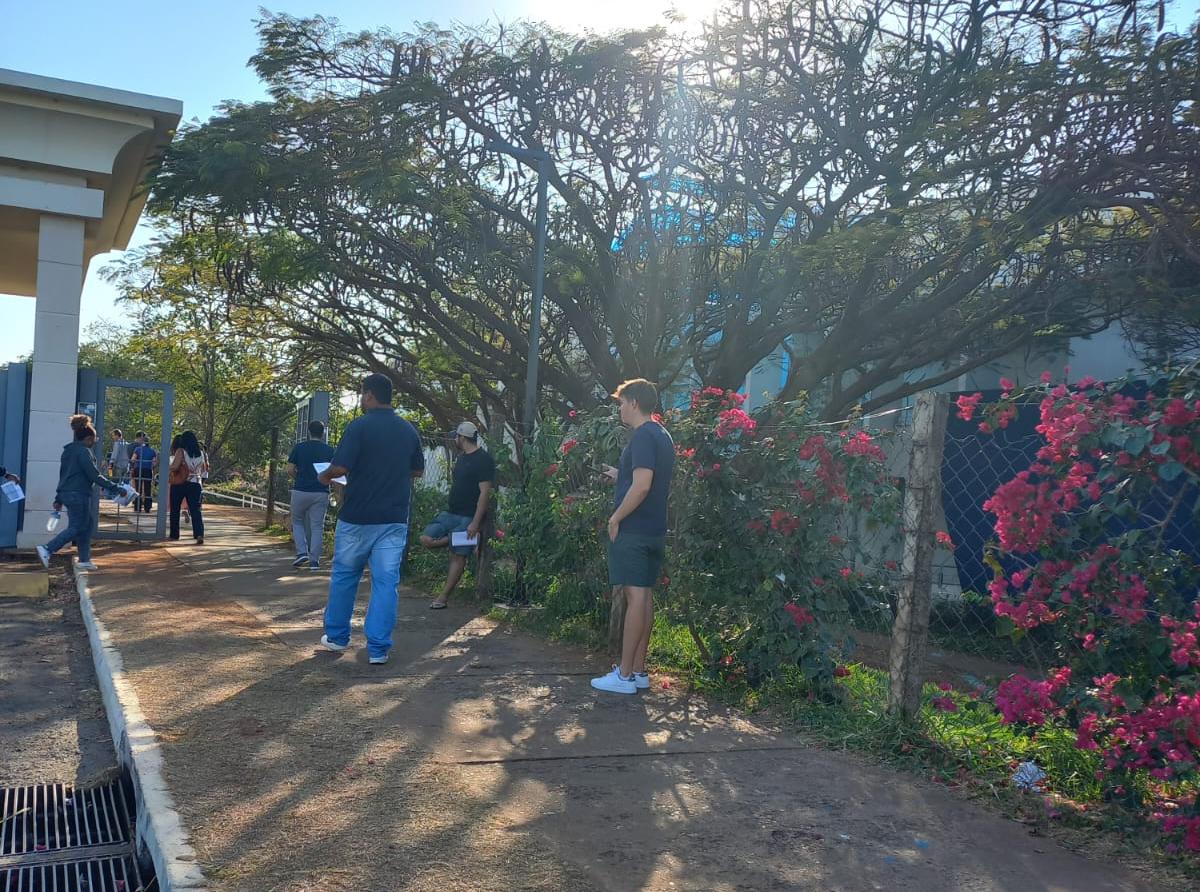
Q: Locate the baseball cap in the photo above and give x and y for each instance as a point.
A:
(468, 430)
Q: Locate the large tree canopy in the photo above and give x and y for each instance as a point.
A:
(875, 187)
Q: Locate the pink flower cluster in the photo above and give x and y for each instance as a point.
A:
(1184, 637)
(733, 420)
(568, 445)
(830, 472)
(1095, 582)
(861, 444)
(1020, 699)
(967, 405)
(783, 522)
(717, 395)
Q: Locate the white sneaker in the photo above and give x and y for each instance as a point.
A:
(329, 645)
(379, 661)
(641, 680)
(614, 683)
(87, 565)
(44, 556)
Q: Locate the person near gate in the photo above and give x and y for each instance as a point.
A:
(77, 474)
(143, 464)
(637, 530)
(118, 459)
(187, 470)
(379, 454)
(471, 484)
(310, 497)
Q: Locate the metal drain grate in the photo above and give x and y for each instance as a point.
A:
(118, 874)
(49, 817)
(56, 839)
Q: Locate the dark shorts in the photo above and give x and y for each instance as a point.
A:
(636, 559)
(445, 524)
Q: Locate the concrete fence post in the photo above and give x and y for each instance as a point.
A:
(922, 495)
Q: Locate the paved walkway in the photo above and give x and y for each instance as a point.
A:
(479, 759)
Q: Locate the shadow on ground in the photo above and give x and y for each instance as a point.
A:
(480, 759)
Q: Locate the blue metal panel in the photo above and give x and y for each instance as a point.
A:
(14, 422)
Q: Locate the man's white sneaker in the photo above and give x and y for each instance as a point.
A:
(614, 683)
(641, 680)
(87, 565)
(378, 661)
(329, 645)
(44, 556)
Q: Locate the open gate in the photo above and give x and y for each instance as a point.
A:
(132, 406)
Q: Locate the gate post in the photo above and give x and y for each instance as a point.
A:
(271, 477)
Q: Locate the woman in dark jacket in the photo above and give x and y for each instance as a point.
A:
(77, 474)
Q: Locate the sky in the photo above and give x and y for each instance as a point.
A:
(197, 53)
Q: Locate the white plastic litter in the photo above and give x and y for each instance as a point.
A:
(1028, 776)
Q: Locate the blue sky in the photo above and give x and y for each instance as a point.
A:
(197, 52)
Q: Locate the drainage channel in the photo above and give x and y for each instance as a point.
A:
(57, 839)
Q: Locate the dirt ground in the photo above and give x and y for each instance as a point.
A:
(479, 759)
(52, 723)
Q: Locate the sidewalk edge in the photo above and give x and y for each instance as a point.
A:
(159, 827)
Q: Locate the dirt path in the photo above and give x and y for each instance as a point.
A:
(52, 723)
(479, 759)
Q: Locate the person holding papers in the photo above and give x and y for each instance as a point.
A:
(310, 497)
(379, 454)
(471, 485)
(77, 474)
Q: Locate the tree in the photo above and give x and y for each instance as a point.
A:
(877, 188)
(231, 385)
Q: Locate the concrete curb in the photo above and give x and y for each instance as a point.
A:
(159, 827)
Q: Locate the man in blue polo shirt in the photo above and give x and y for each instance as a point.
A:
(379, 454)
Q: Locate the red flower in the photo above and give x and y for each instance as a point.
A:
(943, 538)
(499, 534)
(891, 565)
(569, 445)
(967, 405)
(945, 686)
(1006, 385)
(552, 470)
(840, 671)
(945, 704)
(783, 522)
(732, 420)
(801, 616)
(572, 414)
(716, 466)
(846, 572)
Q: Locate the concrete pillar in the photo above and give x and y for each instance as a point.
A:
(55, 366)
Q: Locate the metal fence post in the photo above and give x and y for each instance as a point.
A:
(271, 477)
(922, 495)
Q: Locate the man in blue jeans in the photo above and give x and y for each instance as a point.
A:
(379, 454)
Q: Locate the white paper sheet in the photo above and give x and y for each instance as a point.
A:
(461, 539)
(320, 467)
(13, 491)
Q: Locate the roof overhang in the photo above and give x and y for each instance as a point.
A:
(75, 150)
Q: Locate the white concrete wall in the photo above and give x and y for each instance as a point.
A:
(60, 269)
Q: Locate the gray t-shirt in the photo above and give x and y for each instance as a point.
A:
(650, 447)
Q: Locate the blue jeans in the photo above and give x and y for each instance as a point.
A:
(354, 546)
(79, 525)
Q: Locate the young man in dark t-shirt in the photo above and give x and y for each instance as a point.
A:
(379, 454)
(637, 529)
(310, 499)
(471, 485)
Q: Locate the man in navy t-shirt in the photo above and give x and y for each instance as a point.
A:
(379, 454)
(637, 529)
(310, 497)
(142, 463)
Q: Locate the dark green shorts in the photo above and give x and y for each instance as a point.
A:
(636, 559)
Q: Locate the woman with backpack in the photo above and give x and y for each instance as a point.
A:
(187, 470)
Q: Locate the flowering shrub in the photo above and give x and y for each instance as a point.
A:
(1085, 538)
(761, 557)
